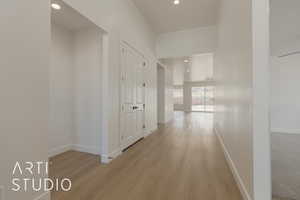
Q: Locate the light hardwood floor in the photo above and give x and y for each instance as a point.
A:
(181, 161)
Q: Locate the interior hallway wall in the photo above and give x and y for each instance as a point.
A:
(24, 86)
(61, 102)
(187, 42)
(242, 92)
(169, 104)
(233, 95)
(88, 86)
(151, 97)
(285, 30)
(285, 98)
(75, 90)
(165, 94)
(123, 21)
(161, 95)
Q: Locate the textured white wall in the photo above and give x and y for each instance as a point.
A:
(24, 86)
(61, 103)
(187, 42)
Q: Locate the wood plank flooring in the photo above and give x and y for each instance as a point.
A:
(181, 161)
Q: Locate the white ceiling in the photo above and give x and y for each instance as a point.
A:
(69, 18)
(164, 16)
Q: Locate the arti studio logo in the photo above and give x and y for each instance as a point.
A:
(31, 170)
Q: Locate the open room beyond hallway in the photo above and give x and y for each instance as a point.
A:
(182, 160)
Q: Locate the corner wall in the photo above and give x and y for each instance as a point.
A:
(87, 90)
(61, 105)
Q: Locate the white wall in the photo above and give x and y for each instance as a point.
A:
(75, 90)
(201, 67)
(165, 94)
(24, 86)
(169, 105)
(285, 98)
(61, 100)
(241, 75)
(285, 106)
(187, 42)
(285, 30)
(161, 95)
(123, 21)
(151, 97)
(88, 85)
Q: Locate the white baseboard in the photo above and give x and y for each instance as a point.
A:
(236, 175)
(75, 147)
(59, 150)
(86, 149)
(44, 196)
(108, 158)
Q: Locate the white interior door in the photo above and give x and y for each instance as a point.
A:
(132, 96)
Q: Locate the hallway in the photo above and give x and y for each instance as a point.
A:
(182, 160)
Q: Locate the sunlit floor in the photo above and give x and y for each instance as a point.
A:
(180, 161)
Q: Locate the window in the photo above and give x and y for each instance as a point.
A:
(203, 99)
(178, 96)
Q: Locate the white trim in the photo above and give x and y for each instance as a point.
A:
(108, 158)
(76, 147)
(44, 196)
(106, 98)
(86, 149)
(236, 175)
(59, 150)
(285, 131)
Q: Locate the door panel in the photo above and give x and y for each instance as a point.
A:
(129, 77)
(140, 82)
(132, 96)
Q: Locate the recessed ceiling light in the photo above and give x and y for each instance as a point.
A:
(55, 6)
(176, 2)
(186, 61)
